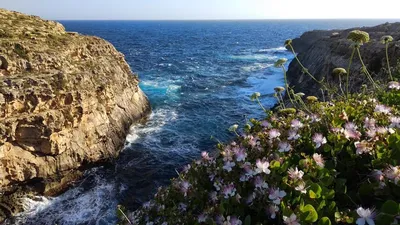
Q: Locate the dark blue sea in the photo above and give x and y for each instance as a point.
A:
(198, 76)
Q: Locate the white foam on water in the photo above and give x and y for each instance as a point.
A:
(256, 67)
(255, 57)
(155, 123)
(76, 206)
(278, 49)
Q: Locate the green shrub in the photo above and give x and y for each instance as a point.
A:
(322, 163)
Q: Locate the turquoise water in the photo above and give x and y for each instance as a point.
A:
(198, 76)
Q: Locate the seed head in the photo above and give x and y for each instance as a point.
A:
(358, 37)
(280, 62)
(312, 99)
(279, 89)
(339, 71)
(386, 39)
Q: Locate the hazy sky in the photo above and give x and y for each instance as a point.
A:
(205, 9)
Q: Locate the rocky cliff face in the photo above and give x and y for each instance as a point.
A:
(322, 51)
(66, 101)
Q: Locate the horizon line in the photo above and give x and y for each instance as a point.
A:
(273, 19)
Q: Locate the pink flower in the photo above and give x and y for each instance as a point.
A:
(378, 175)
(395, 122)
(276, 195)
(202, 218)
(296, 124)
(362, 147)
(228, 154)
(205, 156)
(265, 124)
(240, 154)
(260, 183)
(319, 140)
(314, 118)
(382, 109)
(284, 147)
(272, 210)
(228, 166)
(350, 131)
(295, 174)
(292, 220)
(274, 133)
(369, 123)
(213, 196)
(293, 135)
(185, 187)
(319, 160)
(229, 190)
(381, 130)
(262, 166)
(393, 173)
(232, 220)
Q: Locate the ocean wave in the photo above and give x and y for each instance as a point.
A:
(272, 50)
(76, 206)
(255, 57)
(167, 87)
(155, 123)
(256, 67)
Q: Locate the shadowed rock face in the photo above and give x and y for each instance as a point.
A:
(322, 51)
(66, 101)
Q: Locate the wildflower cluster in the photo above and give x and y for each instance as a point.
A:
(337, 163)
(322, 163)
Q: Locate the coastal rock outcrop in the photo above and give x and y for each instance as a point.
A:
(322, 51)
(66, 102)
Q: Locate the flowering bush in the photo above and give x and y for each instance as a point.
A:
(322, 163)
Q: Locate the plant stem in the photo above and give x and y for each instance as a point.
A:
(304, 68)
(283, 103)
(387, 61)
(287, 85)
(258, 100)
(122, 212)
(340, 85)
(365, 69)
(348, 71)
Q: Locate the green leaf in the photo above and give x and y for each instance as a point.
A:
(341, 186)
(275, 164)
(314, 191)
(324, 221)
(390, 207)
(247, 221)
(308, 214)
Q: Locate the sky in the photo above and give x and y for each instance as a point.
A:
(204, 9)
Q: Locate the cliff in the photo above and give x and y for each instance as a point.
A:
(66, 102)
(322, 51)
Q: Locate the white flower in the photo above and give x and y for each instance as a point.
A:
(395, 122)
(274, 133)
(228, 166)
(240, 154)
(362, 147)
(319, 140)
(369, 123)
(393, 173)
(293, 135)
(260, 183)
(284, 147)
(296, 124)
(366, 216)
(229, 190)
(319, 160)
(272, 210)
(382, 109)
(301, 187)
(185, 187)
(292, 220)
(295, 174)
(394, 85)
(276, 195)
(262, 166)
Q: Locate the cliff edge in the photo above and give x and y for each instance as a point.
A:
(322, 51)
(66, 101)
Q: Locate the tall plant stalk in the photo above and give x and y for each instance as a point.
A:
(387, 60)
(287, 85)
(365, 69)
(348, 71)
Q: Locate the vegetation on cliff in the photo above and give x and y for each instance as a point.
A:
(307, 162)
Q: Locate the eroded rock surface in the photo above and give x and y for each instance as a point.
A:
(66, 101)
(322, 51)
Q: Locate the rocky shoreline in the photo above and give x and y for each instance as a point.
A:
(321, 51)
(66, 103)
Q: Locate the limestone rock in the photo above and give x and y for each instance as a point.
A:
(323, 51)
(66, 102)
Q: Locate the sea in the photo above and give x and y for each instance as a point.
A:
(198, 76)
